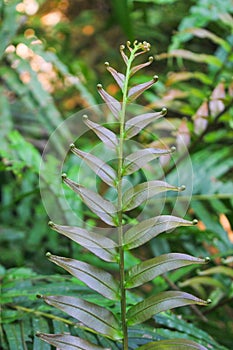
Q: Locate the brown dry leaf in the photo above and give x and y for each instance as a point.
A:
(200, 118)
(183, 136)
(216, 100)
(174, 77)
(226, 225)
(174, 94)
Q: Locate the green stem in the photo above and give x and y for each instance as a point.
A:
(119, 190)
(50, 316)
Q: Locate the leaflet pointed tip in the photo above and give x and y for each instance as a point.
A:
(164, 110)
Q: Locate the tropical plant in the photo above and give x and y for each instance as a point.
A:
(124, 310)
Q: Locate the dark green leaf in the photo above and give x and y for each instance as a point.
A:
(135, 196)
(138, 159)
(104, 134)
(174, 344)
(182, 327)
(92, 276)
(95, 317)
(137, 90)
(160, 302)
(100, 206)
(41, 324)
(68, 342)
(150, 228)
(112, 103)
(14, 335)
(101, 246)
(152, 268)
(103, 170)
(134, 125)
(208, 281)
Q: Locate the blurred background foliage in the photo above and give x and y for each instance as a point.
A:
(51, 58)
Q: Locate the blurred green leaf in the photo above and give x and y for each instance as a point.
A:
(180, 344)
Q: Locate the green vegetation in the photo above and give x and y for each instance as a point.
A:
(52, 57)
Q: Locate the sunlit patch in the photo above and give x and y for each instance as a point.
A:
(10, 49)
(25, 77)
(36, 42)
(23, 51)
(88, 30)
(45, 70)
(30, 7)
(52, 18)
(29, 33)
(112, 89)
(226, 225)
(201, 225)
(20, 7)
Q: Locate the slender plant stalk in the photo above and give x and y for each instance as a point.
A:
(88, 312)
(119, 190)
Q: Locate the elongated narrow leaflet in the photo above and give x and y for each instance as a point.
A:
(104, 209)
(101, 246)
(141, 66)
(150, 228)
(134, 125)
(135, 196)
(137, 90)
(104, 134)
(92, 315)
(160, 302)
(119, 77)
(113, 104)
(149, 269)
(140, 158)
(103, 170)
(93, 277)
(68, 342)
